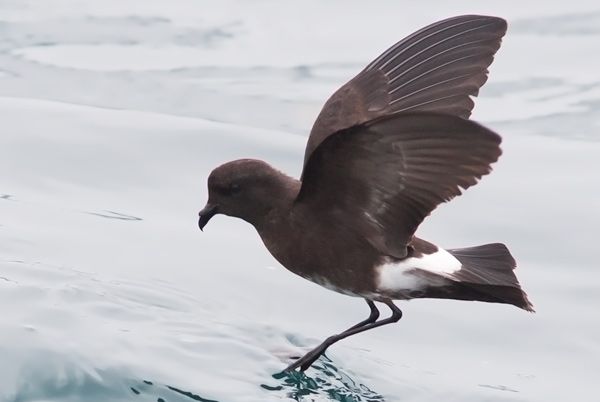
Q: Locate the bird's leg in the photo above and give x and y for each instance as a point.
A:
(305, 361)
(314, 354)
(373, 316)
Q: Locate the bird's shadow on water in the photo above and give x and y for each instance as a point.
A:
(323, 380)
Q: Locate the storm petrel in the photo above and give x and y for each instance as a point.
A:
(387, 148)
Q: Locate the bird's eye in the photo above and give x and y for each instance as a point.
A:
(234, 189)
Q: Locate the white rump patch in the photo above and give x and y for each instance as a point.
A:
(397, 276)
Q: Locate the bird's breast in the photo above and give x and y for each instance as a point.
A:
(327, 256)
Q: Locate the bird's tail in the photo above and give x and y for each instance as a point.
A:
(489, 270)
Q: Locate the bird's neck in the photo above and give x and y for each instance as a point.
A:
(281, 201)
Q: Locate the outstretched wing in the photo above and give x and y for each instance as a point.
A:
(382, 178)
(436, 69)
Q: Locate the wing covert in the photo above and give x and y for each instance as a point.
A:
(382, 178)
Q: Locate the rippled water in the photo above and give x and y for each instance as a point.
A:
(113, 113)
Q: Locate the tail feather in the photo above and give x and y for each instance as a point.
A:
(489, 269)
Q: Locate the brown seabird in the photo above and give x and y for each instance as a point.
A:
(387, 148)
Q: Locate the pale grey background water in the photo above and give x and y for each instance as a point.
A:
(114, 112)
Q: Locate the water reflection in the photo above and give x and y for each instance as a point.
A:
(164, 393)
(324, 379)
(115, 215)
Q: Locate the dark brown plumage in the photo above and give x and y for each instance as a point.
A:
(393, 171)
(387, 148)
(436, 69)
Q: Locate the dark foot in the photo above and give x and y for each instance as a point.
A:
(308, 359)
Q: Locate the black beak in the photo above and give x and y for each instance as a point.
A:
(208, 212)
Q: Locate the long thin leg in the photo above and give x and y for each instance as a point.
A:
(373, 316)
(305, 361)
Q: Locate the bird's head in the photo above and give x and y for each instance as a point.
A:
(245, 188)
